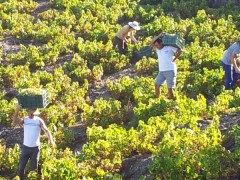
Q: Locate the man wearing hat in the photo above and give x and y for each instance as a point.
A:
(121, 38)
(230, 67)
(167, 56)
(32, 126)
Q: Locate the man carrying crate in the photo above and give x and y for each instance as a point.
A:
(167, 56)
(32, 125)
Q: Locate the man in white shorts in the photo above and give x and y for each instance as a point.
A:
(32, 125)
(167, 56)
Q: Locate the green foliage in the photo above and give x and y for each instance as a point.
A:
(78, 68)
(64, 138)
(155, 107)
(6, 111)
(146, 66)
(103, 112)
(114, 64)
(235, 99)
(206, 82)
(121, 89)
(201, 57)
(18, 77)
(148, 13)
(188, 107)
(161, 24)
(104, 152)
(144, 90)
(185, 11)
(236, 134)
(63, 164)
(134, 89)
(68, 46)
(221, 104)
(187, 153)
(44, 77)
(23, 6)
(32, 175)
(9, 158)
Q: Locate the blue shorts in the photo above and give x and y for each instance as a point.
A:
(169, 76)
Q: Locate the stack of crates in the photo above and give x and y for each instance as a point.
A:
(33, 101)
(173, 40)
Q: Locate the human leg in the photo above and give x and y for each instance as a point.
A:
(122, 46)
(235, 77)
(160, 79)
(34, 158)
(157, 90)
(171, 77)
(170, 93)
(23, 162)
(227, 76)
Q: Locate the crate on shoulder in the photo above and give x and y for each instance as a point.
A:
(33, 98)
(174, 40)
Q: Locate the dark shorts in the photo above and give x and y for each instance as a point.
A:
(122, 46)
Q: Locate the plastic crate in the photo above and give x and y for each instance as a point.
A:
(144, 51)
(33, 101)
(173, 40)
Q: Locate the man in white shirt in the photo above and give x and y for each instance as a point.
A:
(32, 127)
(167, 56)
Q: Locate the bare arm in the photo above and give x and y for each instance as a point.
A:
(233, 61)
(177, 54)
(16, 120)
(154, 39)
(47, 132)
(132, 37)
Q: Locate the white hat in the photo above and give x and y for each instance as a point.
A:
(134, 25)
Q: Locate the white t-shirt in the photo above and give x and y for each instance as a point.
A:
(165, 58)
(233, 49)
(32, 131)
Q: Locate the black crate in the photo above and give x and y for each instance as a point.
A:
(173, 40)
(33, 101)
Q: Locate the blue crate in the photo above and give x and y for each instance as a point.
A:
(173, 40)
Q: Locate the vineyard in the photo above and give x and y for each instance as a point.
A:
(66, 47)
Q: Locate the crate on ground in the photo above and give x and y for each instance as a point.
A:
(144, 51)
(173, 40)
(33, 98)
